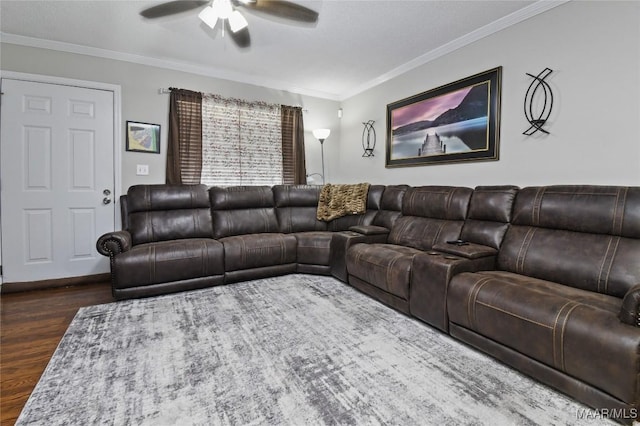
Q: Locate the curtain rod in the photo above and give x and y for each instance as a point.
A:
(165, 91)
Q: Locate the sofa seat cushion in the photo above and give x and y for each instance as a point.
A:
(386, 266)
(314, 248)
(166, 261)
(572, 330)
(258, 250)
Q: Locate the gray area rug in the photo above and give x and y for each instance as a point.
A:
(300, 350)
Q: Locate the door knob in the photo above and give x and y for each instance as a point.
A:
(106, 200)
(106, 192)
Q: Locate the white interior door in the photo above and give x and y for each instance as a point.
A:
(57, 176)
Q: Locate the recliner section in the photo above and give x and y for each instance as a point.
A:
(476, 249)
(245, 222)
(566, 263)
(430, 214)
(168, 244)
(390, 209)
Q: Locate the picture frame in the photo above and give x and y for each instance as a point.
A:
(457, 122)
(143, 137)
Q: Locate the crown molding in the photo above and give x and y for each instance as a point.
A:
(163, 63)
(487, 30)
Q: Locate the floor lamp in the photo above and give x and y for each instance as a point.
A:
(321, 135)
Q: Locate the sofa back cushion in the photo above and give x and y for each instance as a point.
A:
(581, 236)
(167, 212)
(430, 215)
(374, 197)
(390, 205)
(239, 210)
(296, 207)
(489, 215)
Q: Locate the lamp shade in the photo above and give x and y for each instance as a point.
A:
(321, 134)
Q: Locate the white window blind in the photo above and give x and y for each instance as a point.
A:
(241, 142)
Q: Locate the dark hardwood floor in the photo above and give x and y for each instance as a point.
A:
(31, 326)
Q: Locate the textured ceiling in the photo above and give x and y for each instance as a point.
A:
(353, 43)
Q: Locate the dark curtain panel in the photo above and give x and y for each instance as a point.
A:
(293, 160)
(184, 151)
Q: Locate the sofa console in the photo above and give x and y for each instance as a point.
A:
(546, 279)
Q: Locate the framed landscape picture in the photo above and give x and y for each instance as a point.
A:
(456, 122)
(143, 137)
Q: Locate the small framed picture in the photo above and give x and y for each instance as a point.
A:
(143, 137)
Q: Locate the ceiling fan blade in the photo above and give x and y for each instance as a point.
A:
(283, 9)
(171, 8)
(241, 38)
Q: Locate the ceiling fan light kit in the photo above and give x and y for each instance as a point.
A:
(222, 9)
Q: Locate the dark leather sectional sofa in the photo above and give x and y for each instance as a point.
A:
(546, 279)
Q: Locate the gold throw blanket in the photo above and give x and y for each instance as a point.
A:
(341, 200)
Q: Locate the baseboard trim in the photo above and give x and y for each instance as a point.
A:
(16, 287)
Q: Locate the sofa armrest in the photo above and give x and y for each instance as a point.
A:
(340, 244)
(369, 230)
(113, 243)
(630, 312)
(466, 249)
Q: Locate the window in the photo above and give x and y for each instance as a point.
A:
(233, 142)
(241, 142)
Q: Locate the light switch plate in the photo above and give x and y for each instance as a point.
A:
(142, 169)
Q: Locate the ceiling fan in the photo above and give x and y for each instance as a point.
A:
(232, 19)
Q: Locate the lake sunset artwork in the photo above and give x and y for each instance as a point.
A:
(451, 123)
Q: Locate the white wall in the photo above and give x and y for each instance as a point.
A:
(594, 50)
(142, 102)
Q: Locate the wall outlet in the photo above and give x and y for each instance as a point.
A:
(142, 169)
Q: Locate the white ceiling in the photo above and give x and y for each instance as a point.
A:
(354, 45)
